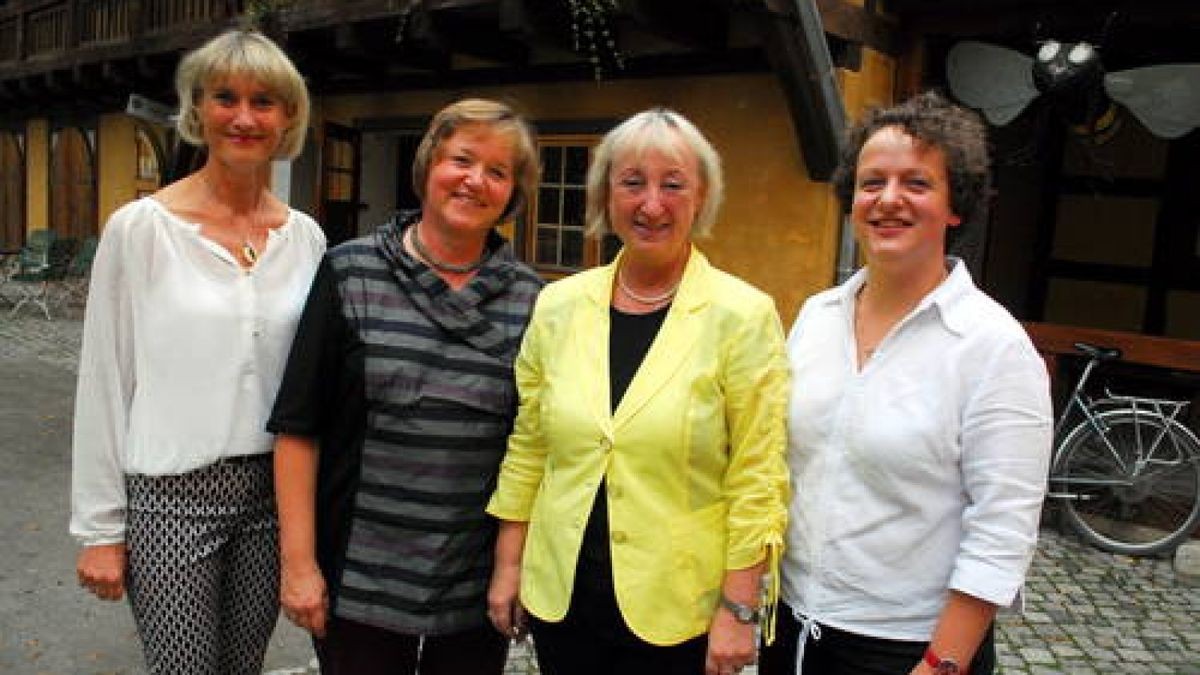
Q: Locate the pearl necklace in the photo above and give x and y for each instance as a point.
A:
(647, 300)
(442, 265)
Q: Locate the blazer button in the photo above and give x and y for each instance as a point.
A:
(618, 537)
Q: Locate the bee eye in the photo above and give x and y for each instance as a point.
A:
(1081, 53)
(1049, 50)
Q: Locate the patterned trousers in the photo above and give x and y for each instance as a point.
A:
(203, 574)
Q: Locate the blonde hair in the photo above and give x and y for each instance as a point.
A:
(500, 118)
(242, 53)
(661, 130)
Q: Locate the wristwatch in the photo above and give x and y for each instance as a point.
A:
(943, 666)
(742, 613)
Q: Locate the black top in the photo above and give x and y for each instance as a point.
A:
(408, 387)
(629, 340)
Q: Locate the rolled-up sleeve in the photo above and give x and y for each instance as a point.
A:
(1006, 439)
(755, 379)
(104, 395)
(525, 461)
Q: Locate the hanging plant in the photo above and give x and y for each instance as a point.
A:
(592, 34)
(265, 16)
(404, 16)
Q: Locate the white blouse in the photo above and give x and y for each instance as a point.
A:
(924, 471)
(183, 350)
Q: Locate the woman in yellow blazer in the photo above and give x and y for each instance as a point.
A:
(643, 493)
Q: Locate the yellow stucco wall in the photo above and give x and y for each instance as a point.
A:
(116, 164)
(778, 230)
(37, 175)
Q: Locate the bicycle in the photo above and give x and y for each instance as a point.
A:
(1128, 473)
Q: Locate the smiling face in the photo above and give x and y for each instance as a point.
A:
(901, 206)
(654, 197)
(243, 122)
(470, 181)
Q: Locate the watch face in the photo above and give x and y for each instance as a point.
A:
(946, 667)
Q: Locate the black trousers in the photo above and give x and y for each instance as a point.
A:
(593, 639)
(838, 652)
(352, 648)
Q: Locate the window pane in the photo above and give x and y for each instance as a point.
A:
(549, 200)
(551, 165)
(573, 207)
(547, 246)
(576, 170)
(572, 248)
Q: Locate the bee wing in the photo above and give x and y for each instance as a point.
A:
(1166, 98)
(996, 80)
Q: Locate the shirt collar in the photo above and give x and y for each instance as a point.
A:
(946, 297)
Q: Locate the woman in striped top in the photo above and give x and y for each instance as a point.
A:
(394, 410)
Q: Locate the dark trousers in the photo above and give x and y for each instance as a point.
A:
(593, 639)
(352, 648)
(838, 652)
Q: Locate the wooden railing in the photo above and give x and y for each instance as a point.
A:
(39, 29)
(1054, 340)
(1164, 358)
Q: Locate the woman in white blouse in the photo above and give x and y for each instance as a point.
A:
(919, 423)
(195, 294)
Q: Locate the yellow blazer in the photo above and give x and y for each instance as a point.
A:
(693, 456)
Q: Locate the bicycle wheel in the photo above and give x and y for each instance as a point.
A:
(1132, 483)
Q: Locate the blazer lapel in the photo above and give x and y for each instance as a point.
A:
(674, 342)
(590, 327)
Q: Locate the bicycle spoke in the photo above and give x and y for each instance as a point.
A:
(1130, 483)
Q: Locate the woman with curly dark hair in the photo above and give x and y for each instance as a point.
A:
(919, 423)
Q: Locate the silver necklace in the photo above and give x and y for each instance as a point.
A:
(452, 268)
(645, 299)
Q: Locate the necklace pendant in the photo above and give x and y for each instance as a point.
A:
(248, 253)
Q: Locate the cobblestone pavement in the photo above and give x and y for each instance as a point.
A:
(1085, 611)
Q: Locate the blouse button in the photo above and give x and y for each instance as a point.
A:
(619, 537)
(605, 445)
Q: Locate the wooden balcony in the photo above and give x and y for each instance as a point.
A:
(65, 54)
(42, 30)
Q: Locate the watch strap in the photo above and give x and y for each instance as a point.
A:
(742, 613)
(943, 666)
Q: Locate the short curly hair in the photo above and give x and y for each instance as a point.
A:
(247, 53)
(937, 123)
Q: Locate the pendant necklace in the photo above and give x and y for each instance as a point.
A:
(647, 300)
(442, 265)
(247, 250)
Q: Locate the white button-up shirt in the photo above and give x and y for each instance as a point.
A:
(183, 351)
(924, 471)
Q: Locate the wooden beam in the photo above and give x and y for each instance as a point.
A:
(855, 24)
(799, 54)
(1160, 352)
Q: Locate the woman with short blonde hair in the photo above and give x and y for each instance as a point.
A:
(195, 294)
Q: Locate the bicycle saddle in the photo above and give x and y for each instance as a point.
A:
(1098, 352)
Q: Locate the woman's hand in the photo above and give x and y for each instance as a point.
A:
(504, 602)
(101, 570)
(731, 645)
(303, 597)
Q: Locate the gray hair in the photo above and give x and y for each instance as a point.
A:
(665, 131)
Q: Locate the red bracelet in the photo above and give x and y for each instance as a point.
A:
(943, 666)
